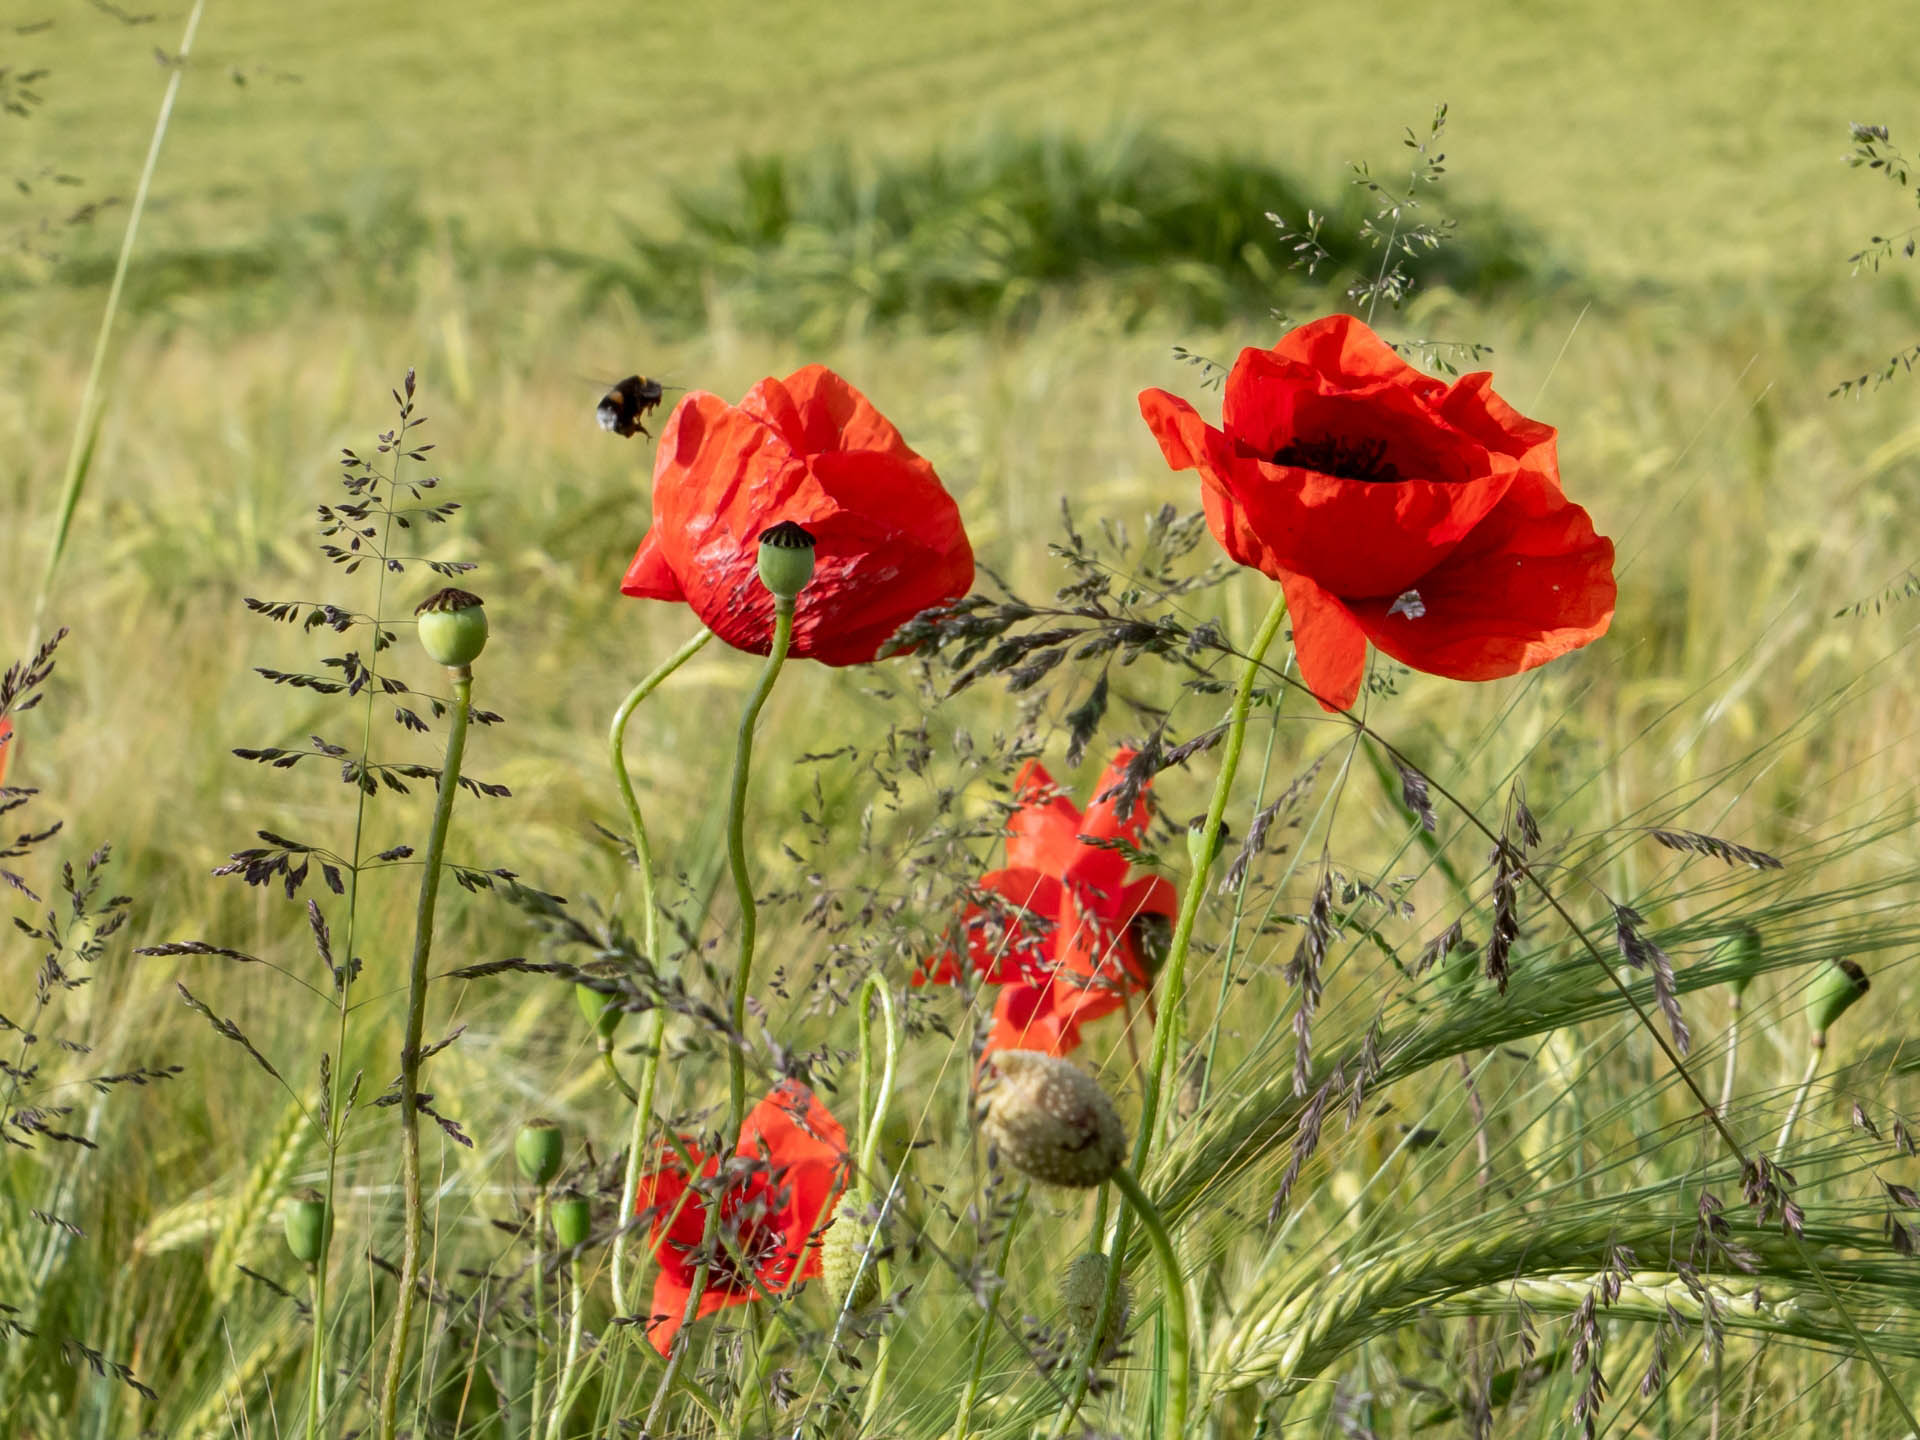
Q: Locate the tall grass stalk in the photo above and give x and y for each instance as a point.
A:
(86, 424)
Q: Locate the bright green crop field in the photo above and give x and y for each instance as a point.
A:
(1480, 1214)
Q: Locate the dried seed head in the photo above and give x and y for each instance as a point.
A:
(1081, 1290)
(1837, 987)
(538, 1150)
(453, 627)
(843, 1249)
(786, 559)
(572, 1219)
(1050, 1119)
(309, 1226)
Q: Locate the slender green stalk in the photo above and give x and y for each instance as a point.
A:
(742, 979)
(86, 424)
(539, 1308)
(650, 921)
(873, 1114)
(1173, 980)
(316, 1384)
(1173, 1300)
(410, 1049)
(964, 1418)
(563, 1388)
(1799, 1099)
(1733, 1056)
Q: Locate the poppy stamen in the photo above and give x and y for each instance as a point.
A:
(1336, 455)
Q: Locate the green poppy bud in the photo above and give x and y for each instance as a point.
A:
(786, 559)
(1744, 946)
(309, 1226)
(1050, 1120)
(853, 1280)
(1081, 1290)
(572, 1219)
(600, 1011)
(1838, 986)
(1196, 833)
(538, 1150)
(453, 627)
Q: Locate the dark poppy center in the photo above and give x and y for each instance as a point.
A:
(1353, 459)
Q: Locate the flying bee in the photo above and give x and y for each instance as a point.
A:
(624, 407)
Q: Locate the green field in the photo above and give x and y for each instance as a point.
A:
(1656, 220)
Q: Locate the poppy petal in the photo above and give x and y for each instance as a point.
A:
(1328, 641)
(650, 576)
(1533, 583)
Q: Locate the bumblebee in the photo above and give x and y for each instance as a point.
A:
(624, 407)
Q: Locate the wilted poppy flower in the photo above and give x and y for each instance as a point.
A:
(781, 1187)
(811, 450)
(1392, 507)
(1061, 927)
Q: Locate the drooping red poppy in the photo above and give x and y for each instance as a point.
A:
(1394, 508)
(808, 449)
(6, 745)
(1060, 929)
(787, 1175)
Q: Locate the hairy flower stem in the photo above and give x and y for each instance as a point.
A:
(1173, 1300)
(316, 1383)
(742, 979)
(650, 932)
(1173, 981)
(1733, 1056)
(964, 1417)
(873, 1115)
(410, 1049)
(539, 1308)
(1799, 1099)
(563, 1387)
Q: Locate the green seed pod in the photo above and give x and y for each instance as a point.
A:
(842, 1251)
(1081, 1290)
(1837, 987)
(572, 1219)
(600, 1011)
(453, 627)
(309, 1226)
(538, 1150)
(1744, 946)
(1196, 832)
(1050, 1120)
(786, 559)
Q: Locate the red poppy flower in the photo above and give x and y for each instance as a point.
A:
(812, 450)
(6, 745)
(1058, 930)
(790, 1168)
(1393, 508)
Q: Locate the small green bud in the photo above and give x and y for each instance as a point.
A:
(600, 1011)
(453, 627)
(1081, 1290)
(1837, 987)
(842, 1251)
(572, 1219)
(1744, 946)
(1196, 834)
(538, 1150)
(1050, 1120)
(309, 1226)
(786, 559)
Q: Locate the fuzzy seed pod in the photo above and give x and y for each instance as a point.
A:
(1081, 1289)
(1049, 1119)
(309, 1226)
(1837, 987)
(842, 1250)
(453, 627)
(538, 1150)
(572, 1219)
(786, 559)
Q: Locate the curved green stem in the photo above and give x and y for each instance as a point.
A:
(742, 979)
(873, 1114)
(1173, 1299)
(964, 1418)
(410, 1049)
(1799, 1099)
(650, 920)
(1173, 980)
(619, 1081)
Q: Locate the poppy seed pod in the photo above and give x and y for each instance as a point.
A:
(1050, 1120)
(786, 559)
(600, 1010)
(453, 627)
(309, 1226)
(572, 1219)
(1837, 987)
(538, 1150)
(852, 1278)
(1744, 946)
(1196, 837)
(1081, 1290)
